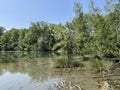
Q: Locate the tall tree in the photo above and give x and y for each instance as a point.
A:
(2, 29)
(80, 28)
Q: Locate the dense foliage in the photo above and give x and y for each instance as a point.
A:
(88, 33)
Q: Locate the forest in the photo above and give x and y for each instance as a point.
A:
(96, 33)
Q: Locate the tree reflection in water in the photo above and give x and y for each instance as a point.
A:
(35, 70)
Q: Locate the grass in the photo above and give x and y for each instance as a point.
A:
(63, 62)
(100, 64)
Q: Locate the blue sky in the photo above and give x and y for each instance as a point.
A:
(19, 13)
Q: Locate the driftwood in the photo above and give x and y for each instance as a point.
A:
(106, 75)
(64, 85)
(105, 86)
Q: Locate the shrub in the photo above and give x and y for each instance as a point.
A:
(101, 64)
(63, 62)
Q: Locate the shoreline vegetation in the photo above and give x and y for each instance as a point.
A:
(60, 60)
(91, 41)
(102, 69)
(87, 33)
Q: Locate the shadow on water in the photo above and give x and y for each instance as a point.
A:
(11, 57)
(8, 57)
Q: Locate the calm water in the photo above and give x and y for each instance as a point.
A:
(34, 71)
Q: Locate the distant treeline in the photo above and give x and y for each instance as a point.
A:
(88, 33)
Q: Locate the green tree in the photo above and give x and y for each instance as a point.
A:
(5, 42)
(82, 34)
(21, 39)
(2, 29)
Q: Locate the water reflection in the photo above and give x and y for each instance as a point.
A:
(33, 71)
(31, 75)
(18, 81)
(38, 74)
(36, 69)
(7, 57)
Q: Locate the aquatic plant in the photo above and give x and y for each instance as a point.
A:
(63, 62)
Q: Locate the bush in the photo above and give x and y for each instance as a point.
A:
(101, 64)
(63, 62)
